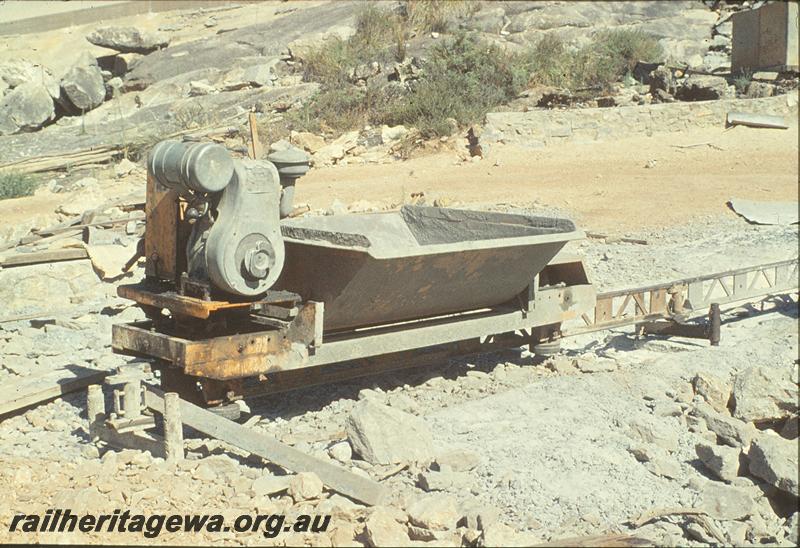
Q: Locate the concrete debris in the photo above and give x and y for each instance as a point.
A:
(382, 435)
(775, 460)
(766, 213)
(721, 460)
(765, 393)
(128, 39)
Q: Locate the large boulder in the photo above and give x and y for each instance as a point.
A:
(128, 39)
(27, 107)
(764, 394)
(83, 88)
(382, 435)
(774, 460)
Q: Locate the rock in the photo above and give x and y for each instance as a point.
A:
(392, 134)
(435, 512)
(499, 534)
(664, 466)
(300, 48)
(341, 451)
(698, 87)
(307, 141)
(775, 460)
(200, 87)
(759, 89)
(595, 365)
(724, 502)
(736, 531)
(458, 460)
(27, 107)
(793, 528)
(382, 435)
(713, 389)
(128, 39)
(268, 484)
(729, 430)
(124, 167)
(790, 428)
(108, 260)
(382, 529)
(654, 432)
(722, 461)
(305, 486)
(328, 155)
(764, 393)
(436, 481)
(83, 88)
(261, 74)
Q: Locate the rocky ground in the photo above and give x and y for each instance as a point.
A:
(504, 449)
(670, 440)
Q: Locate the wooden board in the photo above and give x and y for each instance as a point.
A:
(23, 259)
(161, 231)
(334, 477)
(32, 390)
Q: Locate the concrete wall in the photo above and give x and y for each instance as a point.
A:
(542, 127)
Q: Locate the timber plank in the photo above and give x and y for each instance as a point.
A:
(30, 391)
(335, 477)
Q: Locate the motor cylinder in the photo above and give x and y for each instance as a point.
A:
(190, 166)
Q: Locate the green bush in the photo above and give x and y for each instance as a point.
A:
(15, 185)
(613, 54)
(436, 15)
(551, 64)
(464, 78)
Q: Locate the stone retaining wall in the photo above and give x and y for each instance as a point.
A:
(541, 127)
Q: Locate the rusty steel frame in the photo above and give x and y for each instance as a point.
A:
(297, 352)
(680, 300)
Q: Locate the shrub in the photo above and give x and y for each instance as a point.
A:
(551, 64)
(463, 79)
(436, 15)
(14, 185)
(613, 53)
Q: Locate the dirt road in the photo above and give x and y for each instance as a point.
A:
(600, 184)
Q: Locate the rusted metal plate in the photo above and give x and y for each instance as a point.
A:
(195, 307)
(224, 357)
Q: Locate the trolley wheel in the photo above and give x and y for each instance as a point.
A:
(547, 349)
